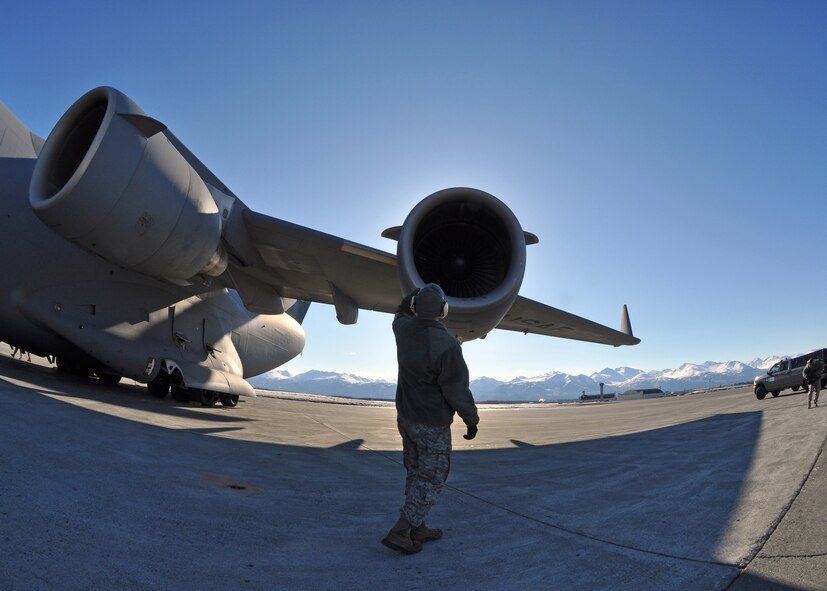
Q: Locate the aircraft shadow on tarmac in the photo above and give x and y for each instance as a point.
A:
(122, 395)
(670, 490)
(669, 494)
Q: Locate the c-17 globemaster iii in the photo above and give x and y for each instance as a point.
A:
(125, 256)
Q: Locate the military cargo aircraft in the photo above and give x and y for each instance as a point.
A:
(124, 255)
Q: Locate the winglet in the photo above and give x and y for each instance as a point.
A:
(625, 324)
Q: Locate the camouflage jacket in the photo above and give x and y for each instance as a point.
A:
(433, 378)
(813, 370)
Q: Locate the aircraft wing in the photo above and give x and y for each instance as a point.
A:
(16, 141)
(528, 316)
(464, 239)
(305, 264)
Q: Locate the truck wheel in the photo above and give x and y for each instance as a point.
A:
(775, 393)
(795, 388)
(760, 391)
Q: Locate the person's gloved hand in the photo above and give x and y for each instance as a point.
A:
(472, 432)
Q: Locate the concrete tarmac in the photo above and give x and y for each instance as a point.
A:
(104, 487)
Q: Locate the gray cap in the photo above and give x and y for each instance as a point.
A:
(430, 302)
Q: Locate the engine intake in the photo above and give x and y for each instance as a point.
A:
(109, 180)
(470, 244)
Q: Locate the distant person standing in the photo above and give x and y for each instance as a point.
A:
(813, 372)
(431, 387)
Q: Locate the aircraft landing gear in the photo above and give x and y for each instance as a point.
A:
(185, 395)
(158, 389)
(180, 394)
(108, 378)
(73, 368)
(229, 399)
(206, 397)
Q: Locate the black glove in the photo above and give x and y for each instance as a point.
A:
(472, 432)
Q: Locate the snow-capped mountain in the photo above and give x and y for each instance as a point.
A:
(612, 376)
(765, 364)
(326, 382)
(554, 385)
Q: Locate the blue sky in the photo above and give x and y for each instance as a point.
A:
(670, 155)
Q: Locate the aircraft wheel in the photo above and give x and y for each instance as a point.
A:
(180, 394)
(760, 392)
(108, 378)
(72, 368)
(208, 397)
(229, 399)
(158, 389)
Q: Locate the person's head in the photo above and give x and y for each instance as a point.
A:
(404, 308)
(429, 302)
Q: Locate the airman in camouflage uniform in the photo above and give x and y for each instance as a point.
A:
(813, 372)
(432, 387)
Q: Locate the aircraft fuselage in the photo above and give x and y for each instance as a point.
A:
(58, 299)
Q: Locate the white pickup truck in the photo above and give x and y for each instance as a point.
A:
(787, 373)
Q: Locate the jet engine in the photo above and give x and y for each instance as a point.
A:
(110, 180)
(470, 244)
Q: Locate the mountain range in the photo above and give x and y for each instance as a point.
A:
(551, 386)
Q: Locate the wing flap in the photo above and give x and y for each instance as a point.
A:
(528, 316)
(306, 264)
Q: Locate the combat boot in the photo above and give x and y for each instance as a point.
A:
(423, 533)
(399, 538)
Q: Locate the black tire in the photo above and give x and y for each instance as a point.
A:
(775, 393)
(180, 394)
(72, 368)
(229, 399)
(760, 391)
(207, 397)
(795, 388)
(158, 389)
(109, 378)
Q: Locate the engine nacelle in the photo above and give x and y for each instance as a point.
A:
(470, 244)
(109, 180)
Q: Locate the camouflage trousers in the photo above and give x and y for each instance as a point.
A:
(426, 454)
(812, 396)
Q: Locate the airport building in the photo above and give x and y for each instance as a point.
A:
(590, 397)
(641, 393)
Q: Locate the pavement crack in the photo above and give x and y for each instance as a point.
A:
(817, 555)
(774, 526)
(570, 531)
(588, 536)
